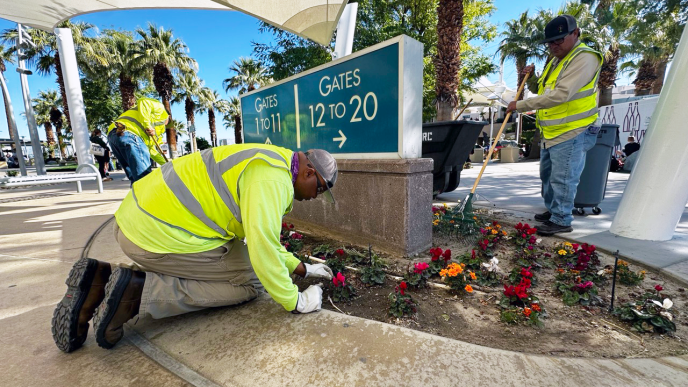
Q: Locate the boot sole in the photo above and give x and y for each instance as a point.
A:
(119, 279)
(65, 320)
(548, 233)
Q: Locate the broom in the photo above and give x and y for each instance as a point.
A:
(466, 206)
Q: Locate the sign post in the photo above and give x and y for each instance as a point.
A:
(367, 105)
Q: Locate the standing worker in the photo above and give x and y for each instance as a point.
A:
(567, 116)
(184, 227)
(133, 137)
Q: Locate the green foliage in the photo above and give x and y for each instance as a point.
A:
(201, 143)
(627, 277)
(341, 290)
(102, 101)
(417, 280)
(401, 304)
(336, 263)
(648, 314)
(374, 273)
(323, 251)
(12, 173)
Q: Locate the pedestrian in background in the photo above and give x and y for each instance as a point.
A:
(104, 160)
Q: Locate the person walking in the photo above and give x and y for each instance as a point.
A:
(567, 117)
(104, 160)
(133, 137)
(203, 231)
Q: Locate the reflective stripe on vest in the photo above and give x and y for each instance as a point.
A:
(186, 198)
(579, 111)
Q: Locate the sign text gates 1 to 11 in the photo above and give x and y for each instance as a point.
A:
(366, 105)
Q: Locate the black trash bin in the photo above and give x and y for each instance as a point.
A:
(449, 143)
(593, 180)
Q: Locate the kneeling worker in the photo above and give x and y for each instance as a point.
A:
(184, 225)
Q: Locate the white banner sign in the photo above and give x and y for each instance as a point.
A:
(632, 117)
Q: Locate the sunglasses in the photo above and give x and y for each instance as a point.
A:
(558, 41)
(320, 188)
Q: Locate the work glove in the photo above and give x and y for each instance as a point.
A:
(319, 270)
(310, 300)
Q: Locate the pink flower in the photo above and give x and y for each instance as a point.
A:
(420, 267)
(530, 247)
(296, 235)
(483, 231)
(659, 288)
(338, 280)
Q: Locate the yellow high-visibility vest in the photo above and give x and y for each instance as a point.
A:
(148, 113)
(580, 111)
(196, 195)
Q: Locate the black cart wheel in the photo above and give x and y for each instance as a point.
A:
(580, 211)
(596, 210)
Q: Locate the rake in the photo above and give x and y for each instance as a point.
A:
(466, 207)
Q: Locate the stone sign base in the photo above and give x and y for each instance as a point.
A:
(385, 203)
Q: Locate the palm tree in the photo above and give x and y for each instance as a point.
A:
(232, 118)
(248, 75)
(520, 43)
(6, 56)
(167, 55)
(448, 59)
(118, 50)
(43, 106)
(46, 57)
(188, 90)
(208, 101)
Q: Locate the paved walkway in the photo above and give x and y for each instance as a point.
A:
(515, 189)
(257, 343)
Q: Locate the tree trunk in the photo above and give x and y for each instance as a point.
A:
(190, 106)
(49, 135)
(660, 72)
(211, 124)
(237, 130)
(448, 58)
(127, 90)
(63, 91)
(170, 131)
(520, 64)
(164, 81)
(9, 124)
(608, 76)
(535, 146)
(645, 78)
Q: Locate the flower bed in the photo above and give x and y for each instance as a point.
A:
(513, 290)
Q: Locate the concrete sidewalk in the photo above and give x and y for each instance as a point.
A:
(257, 343)
(515, 188)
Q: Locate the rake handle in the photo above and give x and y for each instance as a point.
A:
(499, 134)
(462, 110)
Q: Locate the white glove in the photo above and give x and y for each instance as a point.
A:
(310, 300)
(319, 270)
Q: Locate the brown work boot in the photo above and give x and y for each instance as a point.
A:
(121, 304)
(85, 291)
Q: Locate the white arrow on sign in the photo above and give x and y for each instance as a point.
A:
(342, 139)
(268, 141)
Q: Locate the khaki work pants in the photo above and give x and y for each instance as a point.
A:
(181, 283)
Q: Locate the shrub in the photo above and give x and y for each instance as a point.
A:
(342, 291)
(401, 304)
(649, 313)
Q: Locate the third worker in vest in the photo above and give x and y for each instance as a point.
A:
(133, 137)
(567, 117)
(203, 231)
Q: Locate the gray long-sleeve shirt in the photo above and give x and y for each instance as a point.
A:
(579, 73)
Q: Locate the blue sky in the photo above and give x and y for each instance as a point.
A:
(215, 39)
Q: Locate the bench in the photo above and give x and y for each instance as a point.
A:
(56, 178)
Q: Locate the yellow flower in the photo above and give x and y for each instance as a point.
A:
(495, 232)
(499, 226)
(562, 252)
(622, 263)
(437, 214)
(473, 276)
(567, 244)
(475, 218)
(469, 288)
(436, 222)
(445, 205)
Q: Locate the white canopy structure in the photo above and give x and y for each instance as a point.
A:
(311, 19)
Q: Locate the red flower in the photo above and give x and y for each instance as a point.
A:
(509, 291)
(286, 245)
(532, 231)
(402, 288)
(524, 236)
(291, 226)
(575, 246)
(659, 288)
(526, 273)
(296, 235)
(338, 280)
(420, 267)
(526, 226)
(519, 226)
(284, 225)
(535, 307)
(447, 254)
(472, 254)
(435, 252)
(483, 244)
(533, 239)
(521, 292)
(339, 252)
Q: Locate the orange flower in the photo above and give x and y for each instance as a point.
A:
(504, 233)
(468, 288)
(494, 232)
(473, 276)
(527, 311)
(443, 272)
(536, 307)
(560, 270)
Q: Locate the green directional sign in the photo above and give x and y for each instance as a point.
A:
(366, 105)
